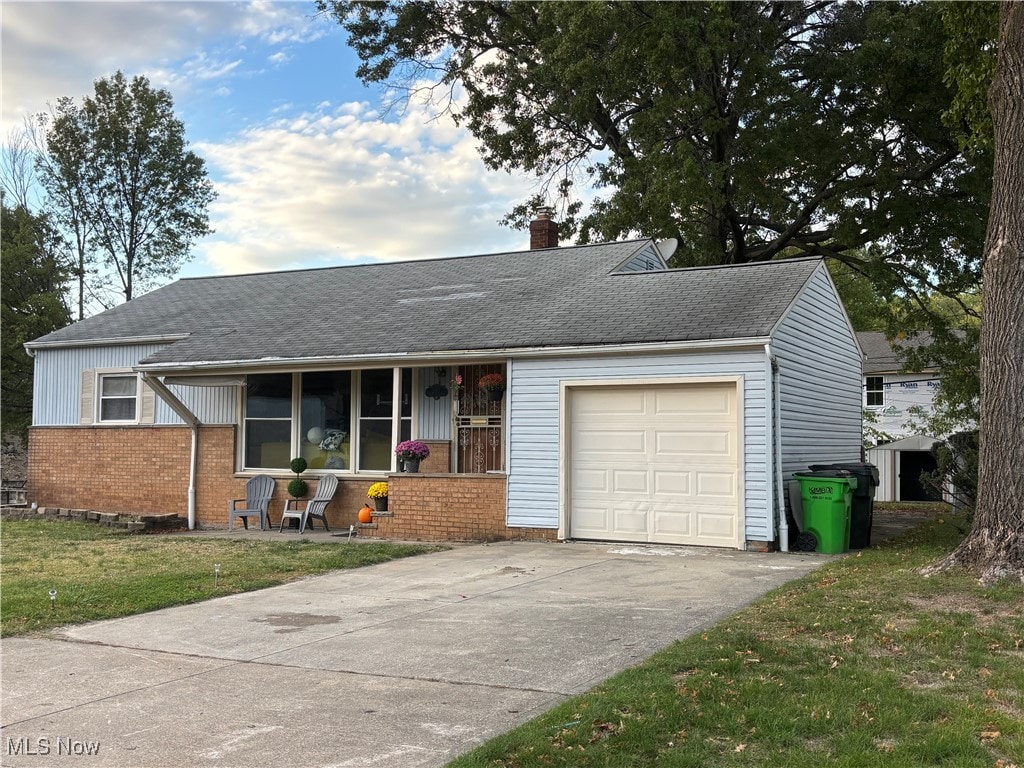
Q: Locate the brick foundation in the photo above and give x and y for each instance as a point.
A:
(445, 507)
(144, 470)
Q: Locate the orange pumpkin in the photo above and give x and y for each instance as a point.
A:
(366, 514)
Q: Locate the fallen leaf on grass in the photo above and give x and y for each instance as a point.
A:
(989, 735)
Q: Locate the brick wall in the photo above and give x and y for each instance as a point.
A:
(114, 469)
(145, 470)
(447, 507)
(437, 461)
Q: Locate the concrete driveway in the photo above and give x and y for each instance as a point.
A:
(407, 663)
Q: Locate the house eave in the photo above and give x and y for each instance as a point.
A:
(120, 341)
(447, 357)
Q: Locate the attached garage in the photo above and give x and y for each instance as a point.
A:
(655, 462)
(689, 437)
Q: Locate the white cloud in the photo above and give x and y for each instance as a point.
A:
(276, 22)
(54, 49)
(329, 187)
(326, 184)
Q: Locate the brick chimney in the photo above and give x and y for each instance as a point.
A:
(543, 230)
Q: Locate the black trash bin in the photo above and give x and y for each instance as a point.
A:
(862, 512)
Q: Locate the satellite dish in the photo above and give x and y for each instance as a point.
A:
(666, 247)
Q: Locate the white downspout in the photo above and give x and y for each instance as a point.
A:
(193, 421)
(775, 449)
(780, 481)
(192, 463)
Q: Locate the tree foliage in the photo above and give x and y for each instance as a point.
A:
(994, 548)
(31, 302)
(748, 130)
(122, 183)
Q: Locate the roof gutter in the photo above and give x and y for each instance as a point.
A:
(193, 422)
(109, 342)
(452, 356)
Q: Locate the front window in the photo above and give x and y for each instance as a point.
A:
(340, 420)
(376, 397)
(326, 430)
(268, 421)
(874, 392)
(119, 398)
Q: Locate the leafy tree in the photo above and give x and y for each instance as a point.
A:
(31, 303)
(868, 311)
(122, 183)
(748, 130)
(994, 548)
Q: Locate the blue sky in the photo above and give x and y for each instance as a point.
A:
(309, 168)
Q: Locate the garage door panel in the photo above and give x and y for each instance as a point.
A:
(629, 521)
(692, 443)
(591, 480)
(696, 402)
(588, 517)
(655, 463)
(711, 524)
(672, 483)
(613, 402)
(631, 481)
(720, 484)
(604, 442)
(667, 523)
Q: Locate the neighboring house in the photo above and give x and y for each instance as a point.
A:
(893, 396)
(643, 404)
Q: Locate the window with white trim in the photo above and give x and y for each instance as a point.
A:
(336, 420)
(118, 399)
(874, 391)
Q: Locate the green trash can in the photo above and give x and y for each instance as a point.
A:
(827, 497)
(862, 508)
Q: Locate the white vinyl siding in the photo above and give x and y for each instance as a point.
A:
(533, 483)
(820, 380)
(58, 391)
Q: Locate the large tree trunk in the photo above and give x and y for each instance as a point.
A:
(994, 548)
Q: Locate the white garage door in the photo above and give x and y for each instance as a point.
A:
(655, 464)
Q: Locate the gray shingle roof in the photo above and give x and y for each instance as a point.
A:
(879, 354)
(555, 297)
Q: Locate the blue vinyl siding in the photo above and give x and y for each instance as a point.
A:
(533, 424)
(435, 416)
(647, 260)
(57, 388)
(820, 380)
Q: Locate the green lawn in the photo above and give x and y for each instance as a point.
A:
(102, 574)
(862, 663)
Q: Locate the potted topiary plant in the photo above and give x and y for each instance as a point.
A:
(410, 453)
(298, 487)
(379, 493)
